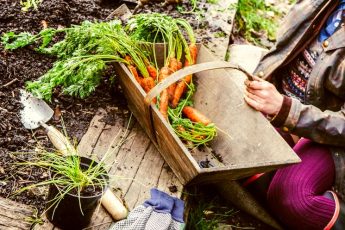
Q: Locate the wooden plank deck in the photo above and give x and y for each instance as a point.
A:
(132, 159)
(15, 216)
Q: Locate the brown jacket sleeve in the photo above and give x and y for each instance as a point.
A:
(280, 118)
(326, 127)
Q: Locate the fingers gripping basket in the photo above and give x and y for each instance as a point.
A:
(246, 142)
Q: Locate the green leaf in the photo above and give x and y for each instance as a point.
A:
(13, 41)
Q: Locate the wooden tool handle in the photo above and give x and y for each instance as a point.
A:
(114, 205)
(59, 141)
(191, 70)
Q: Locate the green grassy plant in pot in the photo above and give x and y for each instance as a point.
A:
(76, 184)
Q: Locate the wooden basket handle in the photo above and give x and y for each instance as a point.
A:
(191, 70)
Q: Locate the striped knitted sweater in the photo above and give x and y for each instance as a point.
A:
(296, 74)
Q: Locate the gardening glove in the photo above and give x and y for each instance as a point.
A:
(161, 212)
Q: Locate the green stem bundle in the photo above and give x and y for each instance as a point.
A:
(191, 132)
(158, 28)
(82, 55)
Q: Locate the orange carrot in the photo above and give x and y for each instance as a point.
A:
(148, 83)
(171, 90)
(135, 74)
(179, 65)
(164, 98)
(128, 59)
(163, 103)
(133, 70)
(181, 87)
(152, 71)
(195, 115)
(188, 78)
(164, 73)
(193, 52)
(173, 64)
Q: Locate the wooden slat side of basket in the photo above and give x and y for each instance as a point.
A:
(135, 98)
(218, 175)
(173, 150)
(135, 94)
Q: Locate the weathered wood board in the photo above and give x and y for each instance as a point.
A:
(132, 159)
(133, 90)
(14, 216)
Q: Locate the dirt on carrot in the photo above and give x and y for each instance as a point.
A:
(152, 71)
(135, 74)
(164, 73)
(174, 65)
(148, 83)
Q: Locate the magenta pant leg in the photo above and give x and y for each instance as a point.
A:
(295, 194)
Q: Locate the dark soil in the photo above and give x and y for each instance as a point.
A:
(22, 65)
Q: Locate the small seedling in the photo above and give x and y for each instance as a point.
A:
(205, 216)
(26, 5)
(220, 34)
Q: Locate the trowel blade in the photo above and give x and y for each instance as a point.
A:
(34, 111)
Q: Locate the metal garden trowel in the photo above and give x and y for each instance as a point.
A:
(36, 113)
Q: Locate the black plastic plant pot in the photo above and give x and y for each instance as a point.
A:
(67, 214)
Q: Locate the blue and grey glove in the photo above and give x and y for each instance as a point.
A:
(161, 212)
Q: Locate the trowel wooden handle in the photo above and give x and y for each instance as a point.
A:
(59, 140)
(114, 205)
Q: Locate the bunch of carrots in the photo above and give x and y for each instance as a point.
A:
(175, 102)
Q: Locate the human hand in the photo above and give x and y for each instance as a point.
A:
(263, 96)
